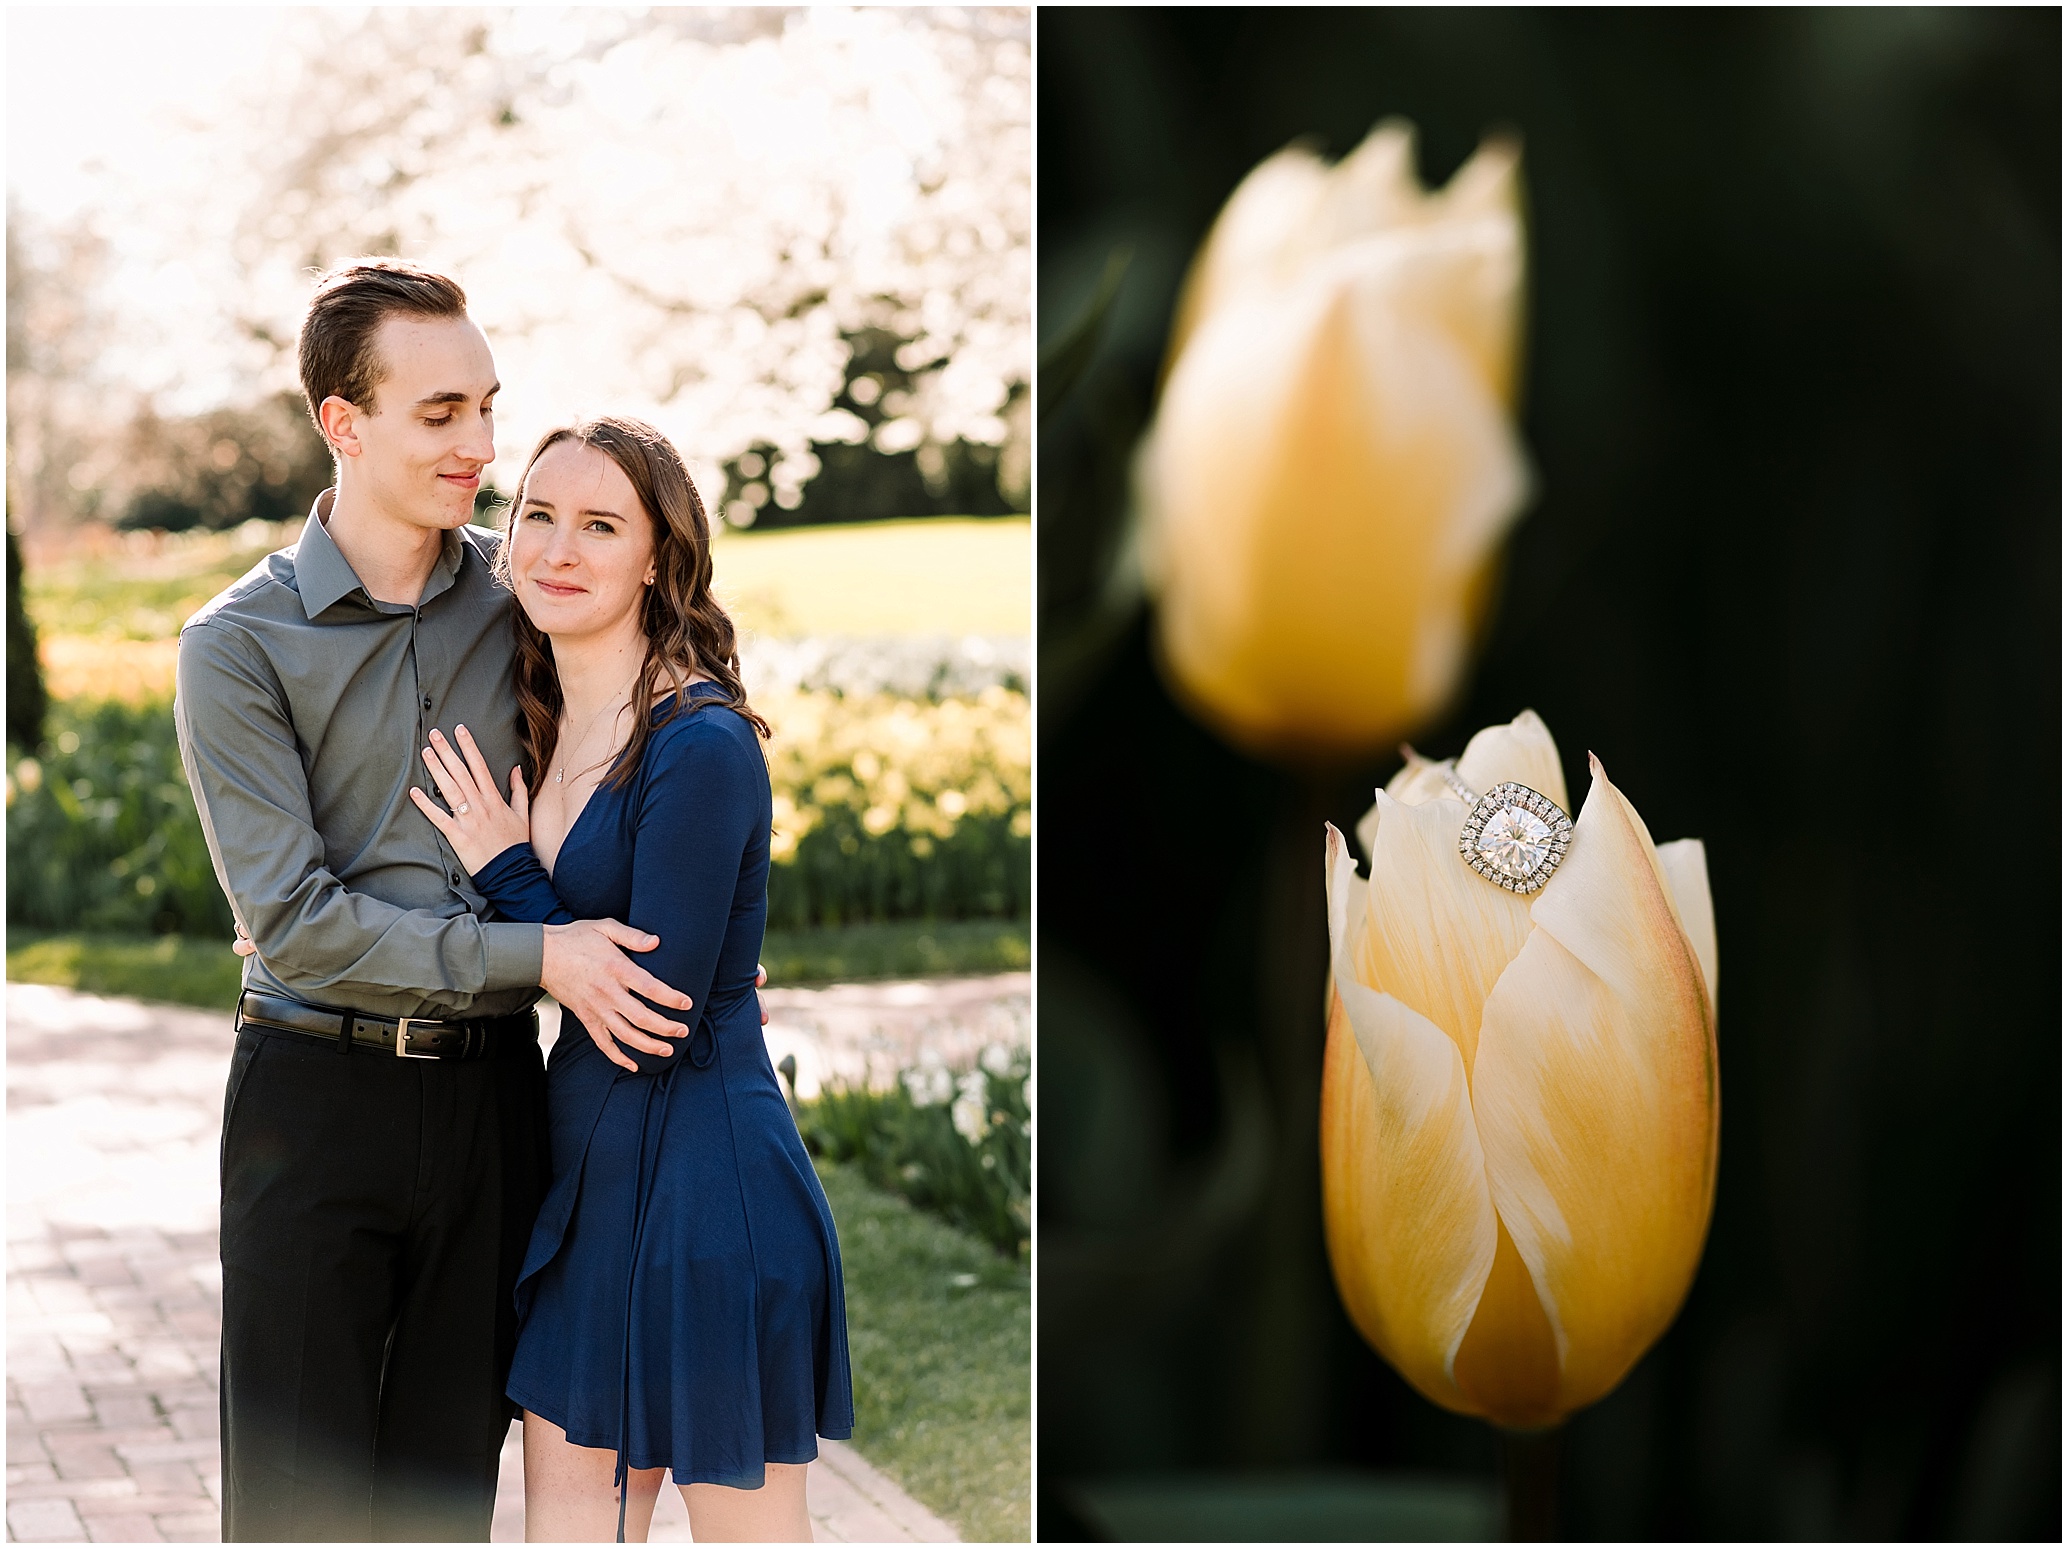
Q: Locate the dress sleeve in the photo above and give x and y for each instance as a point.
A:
(696, 818)
(521, 889)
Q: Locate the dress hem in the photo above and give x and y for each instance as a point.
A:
(737, 1481)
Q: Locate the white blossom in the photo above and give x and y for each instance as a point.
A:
(672, 214)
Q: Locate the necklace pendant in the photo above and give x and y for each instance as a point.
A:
(560, 778)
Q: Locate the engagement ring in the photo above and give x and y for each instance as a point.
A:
(1514, 837)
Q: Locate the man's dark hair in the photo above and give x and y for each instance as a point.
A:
(337, 354)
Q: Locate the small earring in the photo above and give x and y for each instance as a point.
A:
(649, 580)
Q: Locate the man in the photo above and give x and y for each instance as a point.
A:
(384, 1145)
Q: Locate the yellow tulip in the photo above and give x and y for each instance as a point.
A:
(1519, 1101)
(1333, 462)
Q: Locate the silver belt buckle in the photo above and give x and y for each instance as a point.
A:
(402, 1040)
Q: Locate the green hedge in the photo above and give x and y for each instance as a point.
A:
(841, 874)
(102, 834)
(952, 1142)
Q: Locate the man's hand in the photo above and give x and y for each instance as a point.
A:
(243, 948)
(586, 970)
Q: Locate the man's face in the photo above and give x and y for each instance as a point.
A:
(419, 455)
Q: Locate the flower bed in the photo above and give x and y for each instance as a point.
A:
(952, 1142)
(885, 809)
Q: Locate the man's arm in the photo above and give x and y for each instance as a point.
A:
(314, 934)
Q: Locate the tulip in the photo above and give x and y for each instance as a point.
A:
(1333, 464)
(1519, 1100)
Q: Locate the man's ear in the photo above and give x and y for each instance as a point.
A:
(340, 425)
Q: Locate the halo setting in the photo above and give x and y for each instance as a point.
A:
(1515, 837)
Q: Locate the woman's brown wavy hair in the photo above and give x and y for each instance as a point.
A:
(686, 630)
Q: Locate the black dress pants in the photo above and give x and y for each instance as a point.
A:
(375, 1215)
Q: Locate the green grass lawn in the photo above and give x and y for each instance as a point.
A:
(899, 950)
(140, 596)
(939, 1331)
(179, 969)
(933, 575)
(192, 972)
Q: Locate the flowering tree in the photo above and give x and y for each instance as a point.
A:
(689, 216)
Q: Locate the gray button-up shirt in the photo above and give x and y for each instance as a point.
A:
(303, 707)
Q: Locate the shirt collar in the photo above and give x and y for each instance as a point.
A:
(323, 575)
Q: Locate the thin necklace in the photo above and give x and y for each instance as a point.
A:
(560, 778)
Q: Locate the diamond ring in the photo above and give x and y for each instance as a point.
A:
(462, 809)
(1514, 836)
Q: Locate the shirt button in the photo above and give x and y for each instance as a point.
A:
(427, 701)
(455, 879)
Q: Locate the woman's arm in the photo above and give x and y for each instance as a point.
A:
(521, 889)
(705, 790)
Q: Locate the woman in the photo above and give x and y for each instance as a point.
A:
(681, 1300)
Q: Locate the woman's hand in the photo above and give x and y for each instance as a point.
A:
(481, 825)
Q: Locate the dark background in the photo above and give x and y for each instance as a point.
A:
(1793, 571)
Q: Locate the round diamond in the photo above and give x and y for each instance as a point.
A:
(1515, 840)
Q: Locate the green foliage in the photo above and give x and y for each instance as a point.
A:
(145, 594)
(939, 1332)
(857, 481)
(907, 811)
(193, 971)
(225, 467)
(102, 834)
(889, 809)
(954, 1143)
(27, 704)
(895, 949)
(178, 969)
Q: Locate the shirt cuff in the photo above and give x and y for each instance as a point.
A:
(516, 954)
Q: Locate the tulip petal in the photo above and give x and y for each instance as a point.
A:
(1595, 1092)
(1523, 750)
(1368, 825)
(1263, 233)
(1683, 872)
(1686, 867)
(1411, 1226)
(1437, 935)
(1374, 189)
(1326, 479)
(1415, 784)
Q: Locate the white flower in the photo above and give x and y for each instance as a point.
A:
(971, 1114)
(929, 1084)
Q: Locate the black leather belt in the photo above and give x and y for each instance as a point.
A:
(413, 1038)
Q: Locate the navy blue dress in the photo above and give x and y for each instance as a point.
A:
(681, 1300)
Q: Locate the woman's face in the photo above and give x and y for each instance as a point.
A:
(582, 546)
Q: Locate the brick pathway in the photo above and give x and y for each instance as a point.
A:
(113, 1287)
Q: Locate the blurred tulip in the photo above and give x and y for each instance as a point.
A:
(1519, 1101)
(1332, 463)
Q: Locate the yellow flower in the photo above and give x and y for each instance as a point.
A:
(1519, 1100)
(1332, 463)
